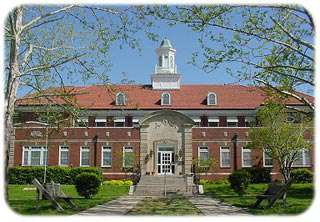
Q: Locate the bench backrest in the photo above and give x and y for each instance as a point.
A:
(275, 188)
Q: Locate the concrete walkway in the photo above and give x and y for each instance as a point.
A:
(212, 207)
(118, 206)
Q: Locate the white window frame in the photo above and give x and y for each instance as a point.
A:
(162, 99)
(221, 151)
(60, 149)
(242, 160)
(124, 99)
(199, 151)
(232, 120)
(208, 99)
(264, 159)
(102, 153)
(81, 149)
(304, 164)
(42, 150)
(123, 153)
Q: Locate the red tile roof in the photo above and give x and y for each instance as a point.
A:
(144, 97)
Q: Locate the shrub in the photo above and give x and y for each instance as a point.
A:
(74, 172)
(259, 174)
(87, 184)
(62, 175)
(239, 181)
(302, 175)
(119, 182)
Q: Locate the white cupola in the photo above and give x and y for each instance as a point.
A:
(165, 73)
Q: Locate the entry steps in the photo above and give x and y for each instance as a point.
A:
(155, 185)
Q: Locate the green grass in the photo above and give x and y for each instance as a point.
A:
(177, 205)
(299, 198)
(24, 201)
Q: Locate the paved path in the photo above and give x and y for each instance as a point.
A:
(118, 206)
(211, 207)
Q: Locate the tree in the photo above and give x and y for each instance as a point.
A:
(281, 139)
(49, 45)
(270, 46)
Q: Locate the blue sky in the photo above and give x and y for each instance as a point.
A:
(138, 66)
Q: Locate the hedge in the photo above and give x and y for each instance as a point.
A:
(62, 175)
(259, 174)
(302, 175)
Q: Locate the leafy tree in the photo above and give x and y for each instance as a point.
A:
(47, 46)
(283, 140)
(267, 45)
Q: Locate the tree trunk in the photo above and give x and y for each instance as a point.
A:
(13, 80)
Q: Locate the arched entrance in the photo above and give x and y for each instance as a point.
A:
(166, 146)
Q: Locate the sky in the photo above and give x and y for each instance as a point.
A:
(138, 66)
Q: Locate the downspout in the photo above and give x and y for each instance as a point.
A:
(234, 141)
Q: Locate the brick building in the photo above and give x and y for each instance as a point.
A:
(162, 127)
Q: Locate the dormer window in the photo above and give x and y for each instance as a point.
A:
(121, 99)
(211, 99)
(165, 99)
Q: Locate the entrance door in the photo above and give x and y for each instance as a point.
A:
(165, 160)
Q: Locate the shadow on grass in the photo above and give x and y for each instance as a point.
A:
(299, 198)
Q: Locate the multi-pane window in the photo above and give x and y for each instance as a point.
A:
(249, 121)
(225, 157)
(203, 155)
(82, 122)
(121, 99)
(84, 156)
(119, 122)
(165, 99)
(64, 155)
(211, 99)
(35, 156)
(303, 158)
(232, 122)
(128, 157)
(106, 156)
(100, 122)
(267, 158)
(246, 157)
(213, 122)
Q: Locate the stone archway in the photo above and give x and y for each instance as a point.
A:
(166, 128)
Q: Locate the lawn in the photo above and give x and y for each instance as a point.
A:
(299, 198)
(24, 201)
(170, 206)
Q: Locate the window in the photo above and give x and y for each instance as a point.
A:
(128, 157)
(82, 122)
(246, 157)
(100, 122)
(303, 159)
(106, 156)
(166, 61)
(211, 99)
(225, 157)
(232, 122)
(267, 158)
(84, 156)
(34, 156)
(249, 121)
(160, 61)
(171, 62)
(63, 155)
(203, 155)
(165, 99)
(121, 99)
(119, 122)
(213, 122)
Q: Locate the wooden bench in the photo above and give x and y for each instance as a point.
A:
(274, 192)
(53, 193)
